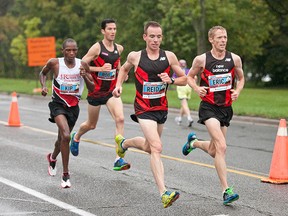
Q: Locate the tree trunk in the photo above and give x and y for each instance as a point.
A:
(199, 26)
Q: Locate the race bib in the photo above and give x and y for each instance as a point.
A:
(220, 82)
(107, 75)
(152, 90)
(69, 88)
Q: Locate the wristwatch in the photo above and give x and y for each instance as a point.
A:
(172, 80)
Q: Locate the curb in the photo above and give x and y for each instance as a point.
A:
(246, 119)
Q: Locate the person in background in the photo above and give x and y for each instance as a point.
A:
(222, 80)
(104, 60)
(184, 95)
(152, 68)
(69, 75)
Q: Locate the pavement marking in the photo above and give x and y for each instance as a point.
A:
(248, 173)
(33, 110)
(221, 215)
(243, 172)
(44, 197)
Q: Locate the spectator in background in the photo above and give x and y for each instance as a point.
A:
(184, 95)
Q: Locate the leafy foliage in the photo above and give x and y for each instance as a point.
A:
(257, 29)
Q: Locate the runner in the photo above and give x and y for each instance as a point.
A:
(219, 70)
(69, 75)
(104, 57)
(152, 68)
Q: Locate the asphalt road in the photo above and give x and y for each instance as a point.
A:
(26, 188)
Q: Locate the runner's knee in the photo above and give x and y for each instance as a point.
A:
(65, 137)
(156, 147)
(89, 125)
(119, 120)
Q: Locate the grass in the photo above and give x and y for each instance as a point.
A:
(258, 102)
(270, 103)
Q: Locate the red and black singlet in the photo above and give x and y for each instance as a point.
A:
(105, 81)
(219, 76)
(150, 90)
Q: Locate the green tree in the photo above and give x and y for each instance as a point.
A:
(8, 29)
(130, 16)
(273, 61)
(257, 30)
(191, 20)
(19, 46)
(4, 6)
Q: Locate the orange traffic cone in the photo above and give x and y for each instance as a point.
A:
(279, 164)
(14, 118)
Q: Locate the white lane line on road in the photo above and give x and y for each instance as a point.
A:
(40, 130)
(33, 110)
(46, 198)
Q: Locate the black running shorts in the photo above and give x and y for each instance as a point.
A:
(222, 114)
(71, 113)
(98, 101)
(159, 116)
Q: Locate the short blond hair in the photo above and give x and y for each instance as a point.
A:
(212, 30)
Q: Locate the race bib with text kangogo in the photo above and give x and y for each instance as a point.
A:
(70, 88)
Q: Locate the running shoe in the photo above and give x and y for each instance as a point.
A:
(65, 180)
(120, 165)
(51, 166)
(229, 196)
(186, 149)
(190, 122)
(178, 120)
(119, 139)
(74, 146)
(169, 197)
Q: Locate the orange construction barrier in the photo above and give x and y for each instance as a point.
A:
(279, 164)
(14, 117)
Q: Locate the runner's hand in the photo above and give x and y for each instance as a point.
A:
(202, 91)
(44, 91)
(106, 67)
(117, 92)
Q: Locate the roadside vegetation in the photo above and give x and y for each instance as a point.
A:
(257, 30)
(261, 102)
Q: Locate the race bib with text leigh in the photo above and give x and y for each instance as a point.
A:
(107, 75)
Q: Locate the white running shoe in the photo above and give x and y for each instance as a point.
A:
(178, 120)
(52, 170)
(190, 122)
(65, 181)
